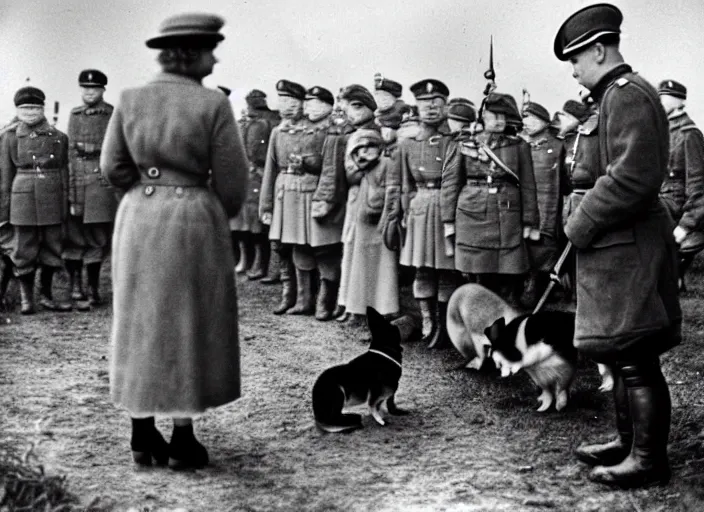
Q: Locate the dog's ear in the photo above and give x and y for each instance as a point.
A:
(494, 330)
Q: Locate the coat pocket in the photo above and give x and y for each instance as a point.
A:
(611, 238)
(476, 224)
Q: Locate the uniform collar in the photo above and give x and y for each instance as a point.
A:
(609, 78)
(680, 120)
(41, 128)
(173, 78)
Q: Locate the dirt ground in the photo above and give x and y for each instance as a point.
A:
(472, 442)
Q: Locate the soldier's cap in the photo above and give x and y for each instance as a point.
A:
(292, 89)
(92, 78)
(356, 92)
(364, 138)
(320, 93)
(394, 116)
(585, 27)
(225, 90)
(537, 110)
(390, 86)
(191, 30)
(29, 96)
(500, 103)
(429, 88)
(461, 109)
(256, 98)
(411, 115)
(672, 88)
(577, 109)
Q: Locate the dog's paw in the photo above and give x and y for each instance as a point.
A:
(561, 401)
(545, 401)
(377, 417)
(475, 364)
(607, 384)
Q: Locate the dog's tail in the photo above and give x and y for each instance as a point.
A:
(328, 402)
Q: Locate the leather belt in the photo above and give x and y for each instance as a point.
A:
(485, 183)
(37, 170)
(169, 178)
(287, 170)
(86, 155)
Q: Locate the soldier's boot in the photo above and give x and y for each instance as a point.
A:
(327, 296)
(243, 263)
(614, 451)
(288, 288)
(75, 280)
(304, 297)
(440, 339)
(428, 319)
(46, 300)
(650, 408)
(7, 270)
(93, 271)
(27, 293)
(257, 271)
(274, 273)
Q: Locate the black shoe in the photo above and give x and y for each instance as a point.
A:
(148, 445)
(185, 452)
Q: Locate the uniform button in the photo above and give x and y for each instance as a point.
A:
(179, 191)
(421, 168)
(96, 170)
(148, 190)
(51, 156)
(153, 172)
(255, 190)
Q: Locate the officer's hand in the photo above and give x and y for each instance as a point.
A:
(320, 209)
(266, 219)
(526, 231)
(72, 210)
(680, 234)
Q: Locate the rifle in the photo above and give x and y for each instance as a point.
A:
(56, 113)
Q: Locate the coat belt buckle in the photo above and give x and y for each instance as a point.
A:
(493, 190)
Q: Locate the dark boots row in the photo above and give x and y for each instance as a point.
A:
(297, 294)
(434, 323)
(149, 446)
(75, 277)
(637, 457)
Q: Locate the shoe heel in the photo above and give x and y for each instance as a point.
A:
(142, 458)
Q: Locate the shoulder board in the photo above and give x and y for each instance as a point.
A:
(622, 81)
(689, 127)
(78, 110)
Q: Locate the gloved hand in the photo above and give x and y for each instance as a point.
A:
(266, 219)
(680, 234)
(449, 238)
(321, 209)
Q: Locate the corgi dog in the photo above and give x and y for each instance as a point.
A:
(370, 378)
(542, 345)
(471, 309)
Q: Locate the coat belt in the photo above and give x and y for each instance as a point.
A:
(169, 178)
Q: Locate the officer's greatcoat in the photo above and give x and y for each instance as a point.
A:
(627, 296)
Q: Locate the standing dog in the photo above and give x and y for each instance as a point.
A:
(542, 345)
(471, 309)
(371, 378)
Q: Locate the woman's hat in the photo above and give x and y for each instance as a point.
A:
(190, 29)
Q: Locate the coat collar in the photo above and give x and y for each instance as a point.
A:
(679, 121)
(609, 78)
(173, 78)
(41, 128)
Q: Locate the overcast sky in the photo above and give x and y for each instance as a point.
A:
(334, 43)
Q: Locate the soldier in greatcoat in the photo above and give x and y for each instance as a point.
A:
(489, 202)
(92, 201)
(683, 188)
(628, 310)
(286, 186)
(6, 240)
(331, 194)
(421, 162)
(256, 131)
(34, 196)
(547, 156)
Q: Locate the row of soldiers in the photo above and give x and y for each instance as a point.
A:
(354, 188)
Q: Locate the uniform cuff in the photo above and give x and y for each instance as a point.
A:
(580, 230)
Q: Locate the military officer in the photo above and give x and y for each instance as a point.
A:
(387, 94)
(285, 184)
(547, 156)
(460, 116)
(489, 202)
(421, 169)
(92, 201)
(6, 240)
(256, 132)
(683, 188)
(330, 198)
(628, 310)
(34, 196)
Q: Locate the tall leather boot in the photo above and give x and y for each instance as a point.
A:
(46, 300)
(440, 339)
(304, 298)
(327, 296)
(613, 452)
(243, 262)
(93, 271)
(75, 280)
(27, 293)
(288, 287)
(428, 319)
(649, 402)
(274, 273)
(257, 271)
(8, 268)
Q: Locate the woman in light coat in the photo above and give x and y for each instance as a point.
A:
(173, 146)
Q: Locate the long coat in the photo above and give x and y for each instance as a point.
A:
(682, 190)
(175, 347)
(90, 195)
(582, 163)
(421, 162)
(33, 175)
(487, 207)
(627, 299)
(547, 155)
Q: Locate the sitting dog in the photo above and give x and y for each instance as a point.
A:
(542, 345)
(371, 378)
(471, 309)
